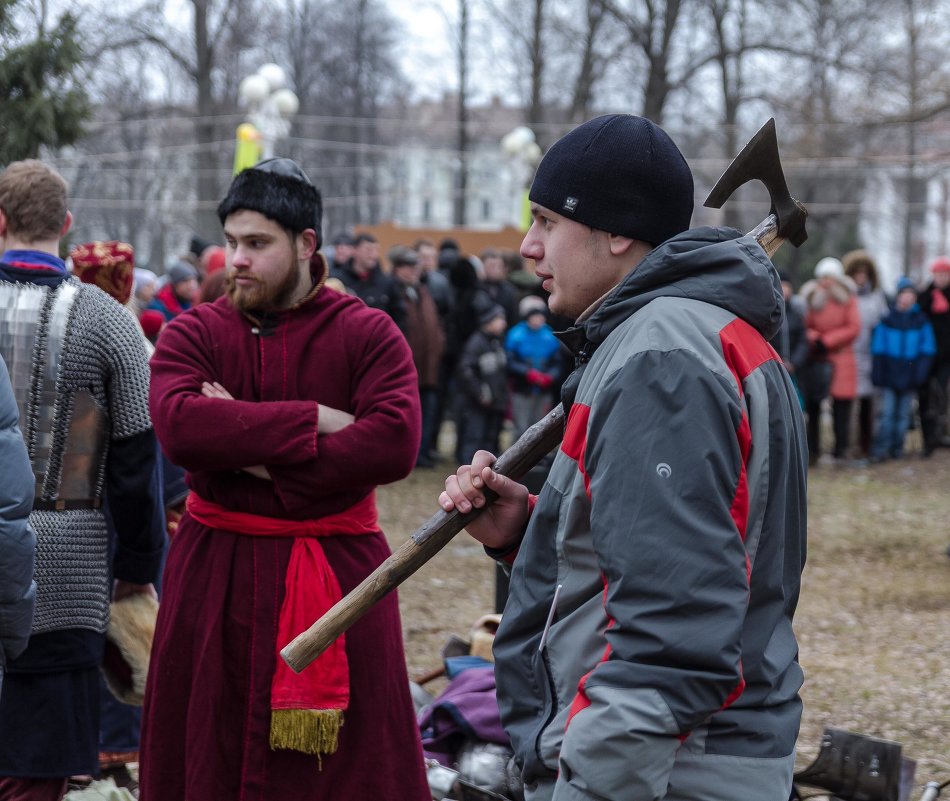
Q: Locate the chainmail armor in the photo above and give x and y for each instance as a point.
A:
(102, 356)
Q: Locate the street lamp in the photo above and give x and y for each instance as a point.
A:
(270, 106)
(522, 147)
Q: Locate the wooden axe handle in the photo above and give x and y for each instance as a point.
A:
(435, 533)
(427, 540)
(766, 233)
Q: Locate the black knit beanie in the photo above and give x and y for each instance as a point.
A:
(280, 190)
(620, 174)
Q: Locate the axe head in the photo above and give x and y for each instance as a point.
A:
(759, 160)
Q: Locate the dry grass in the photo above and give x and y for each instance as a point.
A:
(874, 618)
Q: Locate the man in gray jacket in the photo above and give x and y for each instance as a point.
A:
(17, 540)
(646, 651)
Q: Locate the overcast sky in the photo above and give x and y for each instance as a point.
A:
(427, 53)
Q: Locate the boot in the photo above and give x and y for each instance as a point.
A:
(855, 767)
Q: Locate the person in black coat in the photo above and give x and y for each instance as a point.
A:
(363, 277)
(483, 384)
(934, 301)
(791, 342)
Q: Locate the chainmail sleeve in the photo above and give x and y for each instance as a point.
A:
(123, 351)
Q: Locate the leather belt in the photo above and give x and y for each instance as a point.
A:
(64, 505)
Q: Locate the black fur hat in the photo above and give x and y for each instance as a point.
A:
(280, 190)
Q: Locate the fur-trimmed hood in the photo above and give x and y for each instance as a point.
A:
(816, 296)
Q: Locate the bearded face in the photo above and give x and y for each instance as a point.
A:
(263, 272)
(265, 293)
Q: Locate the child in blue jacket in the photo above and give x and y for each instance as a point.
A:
(902, 349)
(534, 364)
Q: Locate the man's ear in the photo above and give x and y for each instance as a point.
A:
(3, 223)
(624, 246)
(620, 245)
(66, 225)
(306, 244)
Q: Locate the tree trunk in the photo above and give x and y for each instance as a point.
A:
(461, 184)
(206, 157)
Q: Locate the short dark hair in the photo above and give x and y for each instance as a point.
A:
(363, 237)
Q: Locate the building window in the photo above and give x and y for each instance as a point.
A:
(426, 210)
(486, 209)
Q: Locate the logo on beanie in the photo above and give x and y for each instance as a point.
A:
(570, 204)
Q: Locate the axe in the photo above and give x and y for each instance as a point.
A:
(759, 160)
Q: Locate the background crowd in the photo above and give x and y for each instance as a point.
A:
(870, 357)
(874, 360)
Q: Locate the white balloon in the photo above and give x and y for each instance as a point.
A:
(517, 140)
(254, 88)
(274, 75)
(286, 102)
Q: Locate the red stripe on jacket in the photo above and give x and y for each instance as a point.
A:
(581, 701)
(744, 350)
(574, 443)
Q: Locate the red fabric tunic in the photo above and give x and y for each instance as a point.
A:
(207, 709)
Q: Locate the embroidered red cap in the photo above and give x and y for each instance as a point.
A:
(107, 265)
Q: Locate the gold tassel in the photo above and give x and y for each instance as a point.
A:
(312, 731)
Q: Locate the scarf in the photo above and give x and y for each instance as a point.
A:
(938, 302)
(306, 708)
(33, 267)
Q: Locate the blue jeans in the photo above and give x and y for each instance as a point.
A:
(892, 422)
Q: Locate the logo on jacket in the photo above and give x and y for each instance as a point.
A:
(570, 204)
(663, 470)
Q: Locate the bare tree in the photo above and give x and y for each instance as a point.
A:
(462, 57)
(219, 30)
(564, 49)
(342, 63)
(650, 28)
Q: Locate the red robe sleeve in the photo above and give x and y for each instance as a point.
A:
(199, 433)
(382, 444)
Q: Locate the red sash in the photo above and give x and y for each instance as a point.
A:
(306, 708)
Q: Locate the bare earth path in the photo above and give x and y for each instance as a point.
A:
(873, 622)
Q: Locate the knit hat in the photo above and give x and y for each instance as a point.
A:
(108, 265)
(829, 267)
(532, 304)
(490, 313)
(181, 271)
(400, 255)
(199, 245)
(905, 283)
(213, 259)
(142, 277)
(151, 322)
(618, 173)
(281, 191)
(940, 265)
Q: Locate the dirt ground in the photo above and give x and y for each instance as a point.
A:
(874, 617)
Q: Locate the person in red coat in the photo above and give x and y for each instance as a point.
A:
(832, 324)
(287, 403)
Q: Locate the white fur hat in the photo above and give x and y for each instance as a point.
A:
(829, 267)
(128, 646)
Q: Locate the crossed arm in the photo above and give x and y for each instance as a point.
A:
(329, 421)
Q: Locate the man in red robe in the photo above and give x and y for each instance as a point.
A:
(287, 403)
